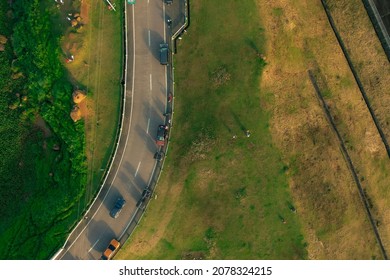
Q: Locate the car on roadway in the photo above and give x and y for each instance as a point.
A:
(120, 202)
(146, 193)
(161, 135)
(164, 53)
(159, 156)
(168, 2)
(111, 250)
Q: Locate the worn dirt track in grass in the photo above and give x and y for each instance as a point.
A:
(300, 38)
(84, 11)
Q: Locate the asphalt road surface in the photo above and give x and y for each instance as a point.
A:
(133, 166)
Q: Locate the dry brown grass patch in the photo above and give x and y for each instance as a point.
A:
(300, 38)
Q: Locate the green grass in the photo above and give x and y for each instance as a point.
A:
(41, 195)
(97, 69)
(11, 129)
(277, 12)
(40, 186)
(234, 191)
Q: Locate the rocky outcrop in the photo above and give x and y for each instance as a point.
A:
(75, 114)
(78, 96)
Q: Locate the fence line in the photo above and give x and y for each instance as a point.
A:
(378, 25)
(356, 76)
(349, 163)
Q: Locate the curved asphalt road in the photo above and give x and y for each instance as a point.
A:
(133, 166)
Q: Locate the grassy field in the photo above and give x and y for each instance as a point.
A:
(220, 197)
(225, 198)
(97, 48)
(300, 38)
(373, 69)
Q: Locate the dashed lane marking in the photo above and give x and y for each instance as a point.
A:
(136, 172)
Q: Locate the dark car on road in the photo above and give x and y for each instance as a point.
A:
(159, 156)
(161, 135)
(146, 193)
(117, 207)
(168, 2)
(164, 53)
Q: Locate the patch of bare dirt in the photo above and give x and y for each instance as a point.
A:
(84, 11)
(75, 114)
(78, 96)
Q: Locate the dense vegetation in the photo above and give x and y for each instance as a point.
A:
(42, 174)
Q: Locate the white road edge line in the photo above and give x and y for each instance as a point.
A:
(166, 88)
(149, 37)
(151, 177)
(136, 172)
(93, 245)
(165, 33)
(127, 137)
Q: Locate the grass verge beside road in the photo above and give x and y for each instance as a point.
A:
(97, 48)
(222, 195)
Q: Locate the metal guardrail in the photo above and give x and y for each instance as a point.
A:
(184, 27)
(356, 76)
(379, 26)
